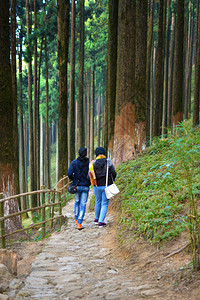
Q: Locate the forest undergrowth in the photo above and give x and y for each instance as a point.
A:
(160, 190)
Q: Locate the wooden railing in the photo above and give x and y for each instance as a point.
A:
(50, 202)
(54, 199)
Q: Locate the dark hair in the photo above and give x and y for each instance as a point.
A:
(100, 150)
(82, 151)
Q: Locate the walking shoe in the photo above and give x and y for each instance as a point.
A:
(76, 221)
(96, 221)
(101, 224)
(79, 226)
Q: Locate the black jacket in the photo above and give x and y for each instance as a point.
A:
(100, 167)
(78, 171)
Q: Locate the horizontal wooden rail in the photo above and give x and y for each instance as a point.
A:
(28, 194)
(50, 203)
(29, 209)
(31, 226)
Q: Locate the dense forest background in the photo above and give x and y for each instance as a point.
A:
(88, 73)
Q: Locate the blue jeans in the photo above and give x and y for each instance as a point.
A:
(101, 204)
(80, 203)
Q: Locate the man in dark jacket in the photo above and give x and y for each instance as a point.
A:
(78, 172)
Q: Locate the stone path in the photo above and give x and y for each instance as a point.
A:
(74, 265)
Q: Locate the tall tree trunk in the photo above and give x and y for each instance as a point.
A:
(177, 98)
(72, 88)
(171, 70)
(159, 72)
(7, 150)
(141, 73)
(124, 134)
(81, 134)
(88, 111)
(31, 148)
(92, 116)
(63, 44)
(41, 152)
(188, 61)
(36, 107)
(47, 173)
(21, 125)
(99, 118)
(149, 69)
(112, 70)
(166, 70)
(197, 72)
(14, 88)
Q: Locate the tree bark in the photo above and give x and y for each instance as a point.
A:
(197, 72)
(63, 43)
(92, 116)
(48, 171)
(31, 146)
(36, 107)
(171, 70)
(81, 134)
(7, 150)
(159, 73)
(111, 71)
(141, 73)
(72, 87)
(124, 134)
(14, 88)
(149, 70)
(177, 99)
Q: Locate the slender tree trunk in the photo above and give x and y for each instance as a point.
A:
(149, 68)
(159, 72)
(187, 68)
(36, 107)
(111, 71)
(63, 43)
(141, 73)
(92, 116)
(41, 153)
(177, 105)
(197, 72)
(21, 125)
(99, 118)
(47, 174)
(88, 111)
(31, 148)
(72, 88)
(81, 134)
(56, 151)
(124, 134)
(171, 71)
(166, 70)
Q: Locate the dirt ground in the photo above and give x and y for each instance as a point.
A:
(170, 265)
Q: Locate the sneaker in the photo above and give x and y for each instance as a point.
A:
(96, 221)
(79, 226)
(101, 224)
(76, 221)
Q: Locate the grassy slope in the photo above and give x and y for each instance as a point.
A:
(157, 187)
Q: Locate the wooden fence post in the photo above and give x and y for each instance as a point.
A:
(52, 210)
(3, 240)
(43, 213)
(60, 209)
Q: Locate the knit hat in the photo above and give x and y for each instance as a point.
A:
(100, 150)
(82, 151)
